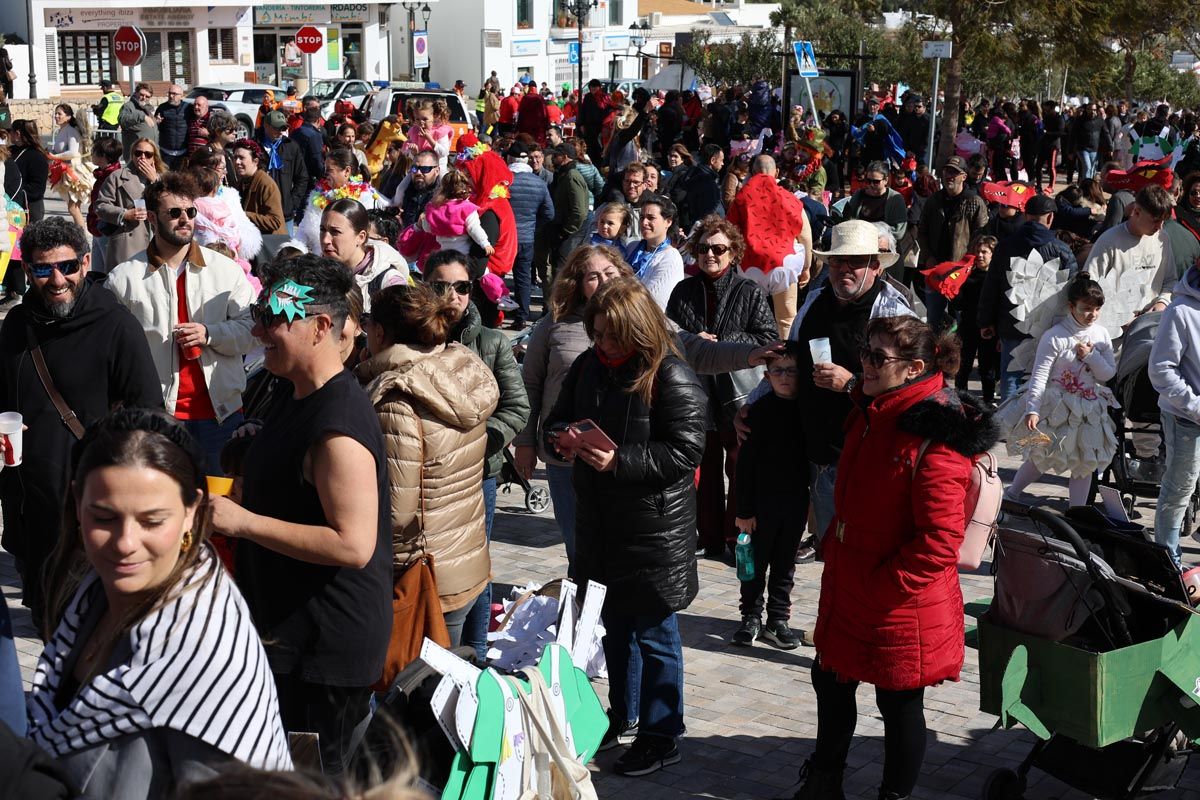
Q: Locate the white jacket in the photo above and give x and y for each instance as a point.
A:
(1175, 358)
(388, 268)
(218, 296)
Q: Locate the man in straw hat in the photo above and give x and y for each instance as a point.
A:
(833, 321)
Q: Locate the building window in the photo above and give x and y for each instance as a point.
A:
(524, 14)
(84, 58)
(221, 44)
(616, 12)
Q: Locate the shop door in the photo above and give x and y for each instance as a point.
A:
(266, 63)
(179, 58)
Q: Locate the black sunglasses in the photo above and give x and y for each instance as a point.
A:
(718, 250)
(877, 358)
(176, 213)
(443, 287)
(45, 270)
(424, 169)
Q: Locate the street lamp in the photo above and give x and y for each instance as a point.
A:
(577, 9)
(32, 63)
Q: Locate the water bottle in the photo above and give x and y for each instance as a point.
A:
(745, 557)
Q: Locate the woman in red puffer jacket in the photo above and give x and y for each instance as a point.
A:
(891, 610)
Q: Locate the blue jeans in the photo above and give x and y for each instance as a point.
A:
(1010, 382)
(562, 496)
(212, 436)
(1087, 163)
(1182, 439)
(475, 628)
(12, 693)
(651, 692)
(821, 480)
(523, 279)
(935, 307)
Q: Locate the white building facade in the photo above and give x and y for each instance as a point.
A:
(217, 41)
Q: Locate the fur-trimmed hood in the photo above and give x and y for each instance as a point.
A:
(956, 418)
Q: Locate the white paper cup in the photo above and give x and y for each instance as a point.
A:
(139, 204)
(822, 353)
(11, 427)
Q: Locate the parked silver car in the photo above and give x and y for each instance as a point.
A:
(242, 100)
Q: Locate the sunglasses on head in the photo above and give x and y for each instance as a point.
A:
(877, 358)
(46, 269)
(717, 250)
(176, 213)
(424, 169)
(443, 287)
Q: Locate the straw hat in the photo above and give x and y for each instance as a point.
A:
(857, 237)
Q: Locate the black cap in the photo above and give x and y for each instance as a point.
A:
(956, 163)
(518, 150)
(106, 84)
(565, 149)
(1039, 205)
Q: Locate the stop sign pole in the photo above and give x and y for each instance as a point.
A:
(309, 41)
(129, 45)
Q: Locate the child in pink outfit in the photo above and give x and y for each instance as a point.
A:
(431, 130)
(452, 218)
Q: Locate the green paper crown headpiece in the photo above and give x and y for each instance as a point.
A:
(288, 298)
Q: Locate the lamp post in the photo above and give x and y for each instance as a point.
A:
(426, 13)
(578, 9)
(32, 63)
(637, 38)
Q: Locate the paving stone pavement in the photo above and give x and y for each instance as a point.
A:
(751, 713)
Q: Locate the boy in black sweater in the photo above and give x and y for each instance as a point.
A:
(772, 470)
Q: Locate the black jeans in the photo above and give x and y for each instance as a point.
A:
(985, 350)
(903, 729)
(775, 544)
(337, 714)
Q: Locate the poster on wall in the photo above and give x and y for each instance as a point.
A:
(333, 50)
(832, 90)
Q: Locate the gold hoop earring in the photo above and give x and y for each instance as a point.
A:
(185, 543)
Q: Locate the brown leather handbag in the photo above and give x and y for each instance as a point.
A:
(416, 605)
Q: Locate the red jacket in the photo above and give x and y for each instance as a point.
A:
(891, 610)
(508, 109)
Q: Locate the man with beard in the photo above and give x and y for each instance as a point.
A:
(194, 308)
(416, 192)
(838, 307)
(95, 359)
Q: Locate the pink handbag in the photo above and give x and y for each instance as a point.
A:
(985, 492)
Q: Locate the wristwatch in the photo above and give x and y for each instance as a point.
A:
(851, 383)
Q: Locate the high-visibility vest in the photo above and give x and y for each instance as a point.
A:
(481, 104)
(113, 109)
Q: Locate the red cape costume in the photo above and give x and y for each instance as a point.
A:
(491, 177)
(770, 219)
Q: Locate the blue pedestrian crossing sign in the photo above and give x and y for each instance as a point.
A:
(573, 52)
(806, 59)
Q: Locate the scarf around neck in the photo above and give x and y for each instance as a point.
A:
(197, 667)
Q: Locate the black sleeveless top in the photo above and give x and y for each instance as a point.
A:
(332, 624)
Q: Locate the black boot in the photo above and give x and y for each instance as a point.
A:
(820, 784)
(884, 794)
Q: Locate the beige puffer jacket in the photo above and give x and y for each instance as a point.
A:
(432, 404)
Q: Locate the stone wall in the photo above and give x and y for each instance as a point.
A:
(40, 111)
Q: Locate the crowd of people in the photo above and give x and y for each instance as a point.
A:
(317, 313)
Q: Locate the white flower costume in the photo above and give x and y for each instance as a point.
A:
(310, 224)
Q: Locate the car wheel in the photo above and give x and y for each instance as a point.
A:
(245, 128)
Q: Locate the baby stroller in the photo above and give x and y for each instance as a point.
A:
(537, 498)
(1137, 467)
(1091, 644)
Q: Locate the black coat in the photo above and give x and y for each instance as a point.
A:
(742, 314)
(173, 130)
(292, 178)
(636, 525)
(98, 359)
(35, 173)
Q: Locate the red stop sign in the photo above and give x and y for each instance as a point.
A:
(129, 45)
(309, 39)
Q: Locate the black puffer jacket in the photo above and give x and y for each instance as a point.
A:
(740, 314)
(636, 526)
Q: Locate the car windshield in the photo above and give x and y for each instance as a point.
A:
(324, 90)
(456, 109)
(211, 94)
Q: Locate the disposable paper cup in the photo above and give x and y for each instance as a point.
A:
(221, 487)
(139, 204)
(11, 426)
(822, 353)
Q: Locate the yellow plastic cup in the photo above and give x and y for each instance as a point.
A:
(218, 486)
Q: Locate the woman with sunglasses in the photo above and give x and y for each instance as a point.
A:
(877, 202)
(635, 515)
(314, 557)
(437, 434)
(346, 238)
(120, 203)
(720, 305)
(448, 274)
(890, 612)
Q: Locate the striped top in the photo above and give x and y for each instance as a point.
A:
(196, 666)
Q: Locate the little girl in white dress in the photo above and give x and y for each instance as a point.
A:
(1065, 425)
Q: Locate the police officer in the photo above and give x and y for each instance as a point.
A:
(109, 108)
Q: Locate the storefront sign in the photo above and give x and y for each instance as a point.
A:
(349, 12)
(283, 14)
(526, 47)
(616, 42)
(92, 19)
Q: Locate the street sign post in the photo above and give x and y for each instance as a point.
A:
(308, 41)
(572, 52)
(129, 46)
(806, 65)
(937, 51)
(420, 49)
